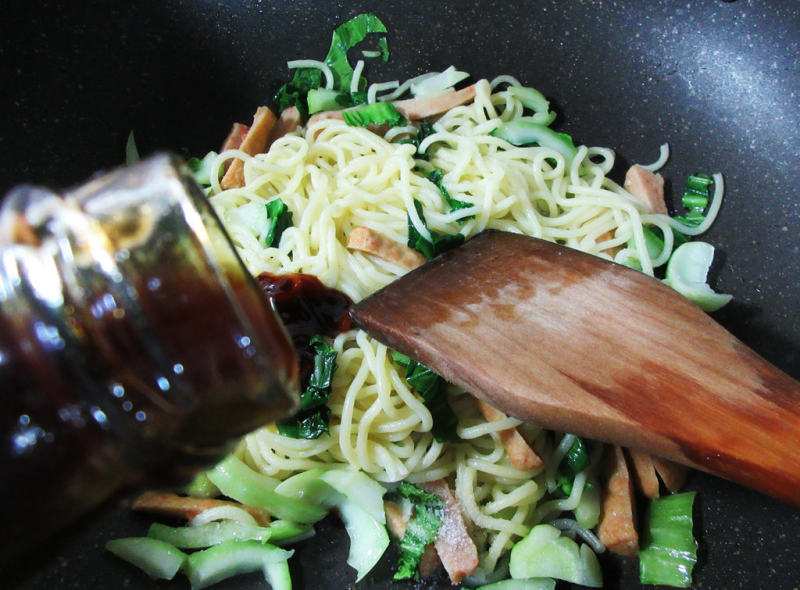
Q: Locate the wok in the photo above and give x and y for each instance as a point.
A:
(720, 81)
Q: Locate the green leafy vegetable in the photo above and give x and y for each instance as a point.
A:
(345, 37)
(577, 457)
(313, 418)
(669, 549)
(295, 92)
(437, 244)
(376, 113)
(424, 129)
(156, 558)
(421, 530)
(695, 199)
(278, 219)
(430, 387)
(436, 178)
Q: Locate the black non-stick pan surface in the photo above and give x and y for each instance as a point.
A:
(719, 81)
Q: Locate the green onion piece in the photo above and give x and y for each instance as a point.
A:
(430, 388)
(522, 584)
(525, 131)
(278, 219)
(131, 151)
(236, 480)
(545, 553)
(669, 550)
(695, 199)
(377, 113)
(421, 530)
(222, 561)
(205, 535)
(156, 558)
(312, 419)
(687, 273)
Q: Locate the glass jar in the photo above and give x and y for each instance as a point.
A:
(133, 343)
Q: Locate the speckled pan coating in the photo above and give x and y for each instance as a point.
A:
(718, 80)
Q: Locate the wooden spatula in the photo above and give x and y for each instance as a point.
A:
(578, 344)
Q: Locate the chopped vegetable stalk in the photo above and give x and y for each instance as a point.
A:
(359, 488)
(323, 99)
(670, 550)
(312, 419)
(205, 535)
(374, 114)
(368, 537)
(421, 530)
(687, 273)
(201, 487)
(430, 387)
(535, 101)
(222, 561)
(439, 83)
(545, 553)
(522, 584)
(278, 219)
(277, 575)
(156, 558)
(236, 480)
(525, 131)
(587, 512)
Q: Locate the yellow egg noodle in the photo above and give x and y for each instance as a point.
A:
(334, 178)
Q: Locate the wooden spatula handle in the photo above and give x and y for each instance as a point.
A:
(578, 344)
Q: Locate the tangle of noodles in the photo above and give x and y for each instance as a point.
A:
(333, 178)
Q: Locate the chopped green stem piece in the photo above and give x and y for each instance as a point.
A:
(695, 199)
(525, 131)
(687, 273)
(156, 558)
(201, 487)
(236, 480)
(545, 553)
(522, 584)
(201, 168)
(669, 550)
(577, 457)
(222, 561)
(421, 530)
(212, 533)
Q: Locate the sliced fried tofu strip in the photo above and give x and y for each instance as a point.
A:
(373, 242)
(235, 137)
(644, 472)
(520, 453)
(647, 187)
(415, 109)
(453, 543)
(672, 474)
(397, 524)
(254, 143)
(287, 122)
(617, 530)
(188, 507)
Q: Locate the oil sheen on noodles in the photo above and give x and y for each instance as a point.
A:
(334, 178)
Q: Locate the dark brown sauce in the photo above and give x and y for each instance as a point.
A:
(307, 307)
